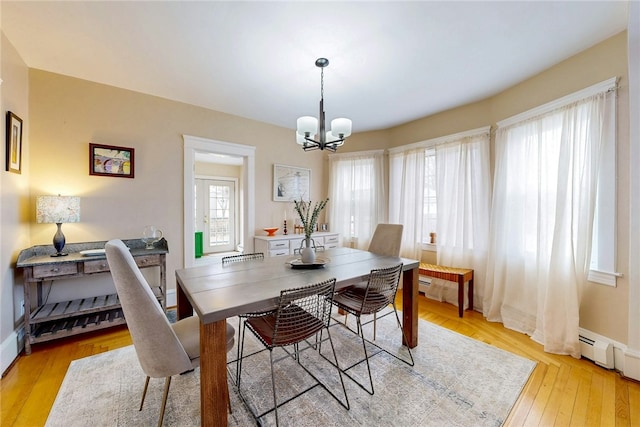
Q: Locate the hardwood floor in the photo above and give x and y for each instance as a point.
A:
(562, 391)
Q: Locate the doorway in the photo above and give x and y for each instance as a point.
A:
(215, 205)
(245, 213)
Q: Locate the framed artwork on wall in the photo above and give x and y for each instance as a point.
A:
(290, 183)
(109, 160)
(14, 143)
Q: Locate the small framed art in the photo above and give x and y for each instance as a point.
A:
(109, 160)
(290, 183)
(14, 143)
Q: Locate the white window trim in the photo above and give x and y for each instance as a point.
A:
(604, 86)
(440, 140)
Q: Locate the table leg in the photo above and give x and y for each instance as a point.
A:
(183, 306)
(470, 290)
(460, 295)
(213, 374)
(410, 306)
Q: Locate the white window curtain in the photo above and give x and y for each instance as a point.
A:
(357, 201)
(463, 206)
(406, 197)
(546, 174)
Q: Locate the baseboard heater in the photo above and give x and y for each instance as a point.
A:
(423, 283)
(601, 352)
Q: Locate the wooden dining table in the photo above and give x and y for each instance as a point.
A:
(216, 292)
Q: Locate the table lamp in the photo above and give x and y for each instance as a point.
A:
(58, 210)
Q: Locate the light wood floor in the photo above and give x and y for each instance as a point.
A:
(562, 391)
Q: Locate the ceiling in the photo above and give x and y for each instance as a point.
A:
(390, 62)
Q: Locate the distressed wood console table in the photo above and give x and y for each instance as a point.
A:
(44, 321)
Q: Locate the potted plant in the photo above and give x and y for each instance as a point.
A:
(309, 219)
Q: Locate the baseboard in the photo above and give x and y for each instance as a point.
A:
(172, 299)
(631, 365)
(11, 348)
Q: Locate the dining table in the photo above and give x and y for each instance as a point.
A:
(216, 292)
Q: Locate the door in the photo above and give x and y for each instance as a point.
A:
(216, 214)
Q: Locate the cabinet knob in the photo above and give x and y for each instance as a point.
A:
(55, 269)
(103, 265)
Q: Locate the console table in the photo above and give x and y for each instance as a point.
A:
(45, 321)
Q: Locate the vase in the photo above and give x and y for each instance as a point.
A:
(308, 253)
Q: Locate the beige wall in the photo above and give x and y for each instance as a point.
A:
(14, 193)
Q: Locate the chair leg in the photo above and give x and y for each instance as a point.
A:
(366, 357)
(144, 393)
(240, 331)
(167, 383)
(375, 318)
(273, 386)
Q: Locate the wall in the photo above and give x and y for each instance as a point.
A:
(604, 309)
(14, 193)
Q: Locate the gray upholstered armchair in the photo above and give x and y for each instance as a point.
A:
(163, 349)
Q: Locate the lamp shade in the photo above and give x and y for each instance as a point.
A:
(307, 126)
(341, 127)
(57, 209)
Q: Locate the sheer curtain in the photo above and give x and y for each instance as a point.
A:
(463, 200)
(546, 173)
(406, 197)
(357, 200)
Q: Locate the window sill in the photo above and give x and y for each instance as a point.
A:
(603, 277)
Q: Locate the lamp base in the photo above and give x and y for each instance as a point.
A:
(59, 241)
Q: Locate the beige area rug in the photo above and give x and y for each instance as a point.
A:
(456, 381)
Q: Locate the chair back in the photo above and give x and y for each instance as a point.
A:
(242, 257)
(302, 312)
(159, 351)
(381, 289)
(386, 240)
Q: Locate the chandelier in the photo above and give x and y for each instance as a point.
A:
(308, 126)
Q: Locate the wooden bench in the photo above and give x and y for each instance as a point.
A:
(458, 275)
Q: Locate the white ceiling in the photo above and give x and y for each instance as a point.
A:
(390, 62)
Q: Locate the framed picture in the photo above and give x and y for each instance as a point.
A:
(290, 183)
(109, 160)
(14, 143)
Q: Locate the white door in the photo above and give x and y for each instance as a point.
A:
(216, 214)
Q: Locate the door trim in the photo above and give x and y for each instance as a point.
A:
(193, 144)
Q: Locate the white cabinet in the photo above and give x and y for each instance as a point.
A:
(281, 245)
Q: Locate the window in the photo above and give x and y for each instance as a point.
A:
(356, 196)
(430, 209)
(558, 169)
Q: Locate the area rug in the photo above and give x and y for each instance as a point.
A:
(456, 381)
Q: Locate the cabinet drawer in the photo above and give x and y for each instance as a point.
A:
(40, 271)
(279, 252)
(96, 266)
(278, 244)
(328, 240)
(147, 260)
(330, 245)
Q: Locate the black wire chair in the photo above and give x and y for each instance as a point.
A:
(379, 293)
(242, 257)
(301, 314)
(231, 259)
